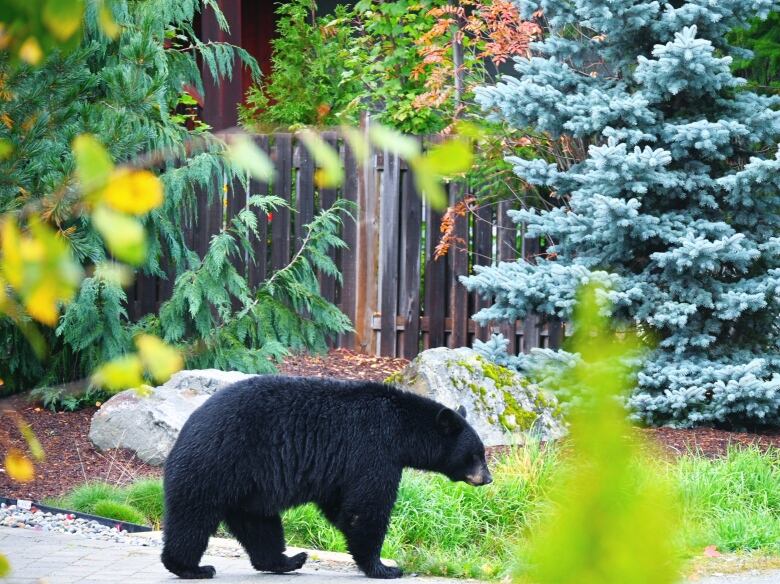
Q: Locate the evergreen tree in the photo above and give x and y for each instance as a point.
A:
(673, 204)
(124, 91)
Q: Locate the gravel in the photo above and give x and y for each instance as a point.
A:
(36, 519)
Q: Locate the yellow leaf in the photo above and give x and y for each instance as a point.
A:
(41, 304)
(63, 17)
(124, 236)
(32, 441)
(10, 245)
(107, 23)
(143, 390)
(5, 566)
(160, 360)
(19, 467)
(119, 374)
(40, 267)
(30, 52)
(93, 163)
(331, 173)
(135, 192)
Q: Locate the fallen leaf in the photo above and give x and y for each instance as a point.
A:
(711, 551)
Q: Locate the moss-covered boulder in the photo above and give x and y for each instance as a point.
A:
(501, 405)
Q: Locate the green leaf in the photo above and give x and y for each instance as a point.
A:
(450, 158)
(124, 236)
(93, 163)
(245, 154)
(395, 142)
(331, 172)
(6, 149)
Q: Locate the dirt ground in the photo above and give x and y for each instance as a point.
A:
(72, 460)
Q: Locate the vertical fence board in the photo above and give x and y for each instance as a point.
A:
(327, 198)
(459, 266)
(506, 244)
(409, 302)
(531, 323)
(304, 193)
(257, 269)
(236, 202)
(434, 281)
(483, 254)
(389, 220)
(349, 255)
(282, 187)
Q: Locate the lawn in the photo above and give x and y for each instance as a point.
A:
(731, 502)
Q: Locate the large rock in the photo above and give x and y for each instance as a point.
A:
(149, 424)
(502, 406)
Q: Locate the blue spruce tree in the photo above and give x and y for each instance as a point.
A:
(673, 205)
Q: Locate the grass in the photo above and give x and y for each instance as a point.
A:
(444, 528)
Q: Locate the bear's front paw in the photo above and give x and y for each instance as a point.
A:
(282, 564)
(199, 573)
(379, 570)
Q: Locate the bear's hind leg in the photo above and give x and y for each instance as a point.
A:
(263, 539)
(185, 539)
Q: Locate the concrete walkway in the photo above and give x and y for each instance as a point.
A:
(40, 557)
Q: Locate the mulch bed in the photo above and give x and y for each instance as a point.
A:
(71, 459)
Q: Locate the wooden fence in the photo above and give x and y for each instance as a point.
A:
(400, 299)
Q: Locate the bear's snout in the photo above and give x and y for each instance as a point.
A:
(479, 478)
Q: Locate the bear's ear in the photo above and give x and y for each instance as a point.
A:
(448, 422)
(462, 411)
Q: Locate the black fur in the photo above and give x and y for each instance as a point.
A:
(269, 443)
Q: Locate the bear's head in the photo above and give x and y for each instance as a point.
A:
(464, 458)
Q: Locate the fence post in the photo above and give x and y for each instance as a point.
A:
(368, 248)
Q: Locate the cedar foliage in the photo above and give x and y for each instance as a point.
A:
(125, 91)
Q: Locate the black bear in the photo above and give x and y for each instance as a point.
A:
(269, 443)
